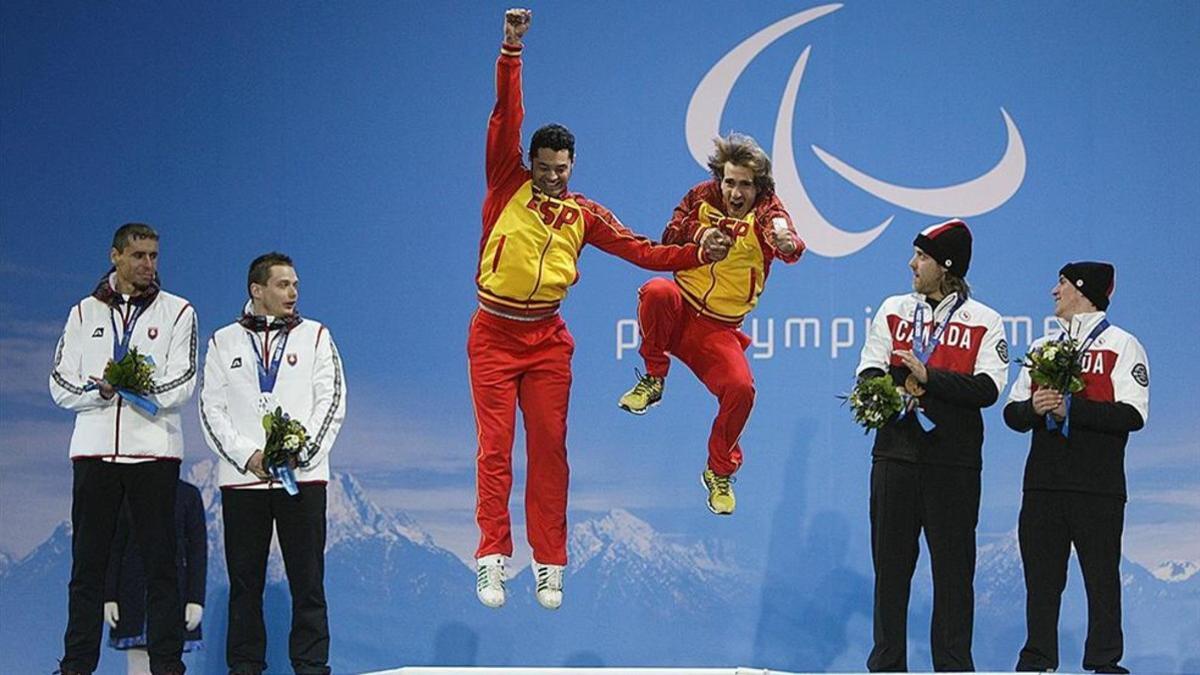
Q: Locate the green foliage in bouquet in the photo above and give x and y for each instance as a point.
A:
(287, 440)
(874, 402)
(1056, 365)
(134, 372)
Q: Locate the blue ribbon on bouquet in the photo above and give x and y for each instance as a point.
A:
(134, 398)
(1053, 424)
(138, 400)
(284, 474)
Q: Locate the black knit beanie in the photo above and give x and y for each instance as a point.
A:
(1094, 279)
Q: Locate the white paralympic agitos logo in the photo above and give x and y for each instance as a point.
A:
(971, 198)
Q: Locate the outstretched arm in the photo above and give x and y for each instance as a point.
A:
(504, 127)
(607, 233)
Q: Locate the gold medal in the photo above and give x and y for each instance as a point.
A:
(913, 386)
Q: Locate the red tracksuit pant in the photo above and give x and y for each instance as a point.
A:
(714, 351)
(528, 364)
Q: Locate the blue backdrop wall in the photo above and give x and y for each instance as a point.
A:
(351, 136)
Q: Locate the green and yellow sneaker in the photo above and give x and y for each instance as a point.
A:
(720, 492)
(646, 394)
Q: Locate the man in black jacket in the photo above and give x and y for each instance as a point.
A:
(1074, 491)
(948, 353)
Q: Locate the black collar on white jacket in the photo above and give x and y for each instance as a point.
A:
(257, 322)
(106, 291)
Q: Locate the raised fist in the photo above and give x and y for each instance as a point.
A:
(516, 23)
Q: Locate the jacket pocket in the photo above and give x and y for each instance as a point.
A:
(753, 282)
(499, 250)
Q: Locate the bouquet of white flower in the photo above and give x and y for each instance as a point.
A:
(287, 447)
(874, 401)
(1056, 365)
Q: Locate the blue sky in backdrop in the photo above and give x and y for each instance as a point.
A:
(350, 135)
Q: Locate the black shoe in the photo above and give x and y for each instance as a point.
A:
(1112, 668)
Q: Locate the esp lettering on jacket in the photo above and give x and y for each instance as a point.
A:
(554, 213)
(735, 228)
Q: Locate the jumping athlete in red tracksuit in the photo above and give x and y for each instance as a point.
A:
(518, 346)
(697, 317)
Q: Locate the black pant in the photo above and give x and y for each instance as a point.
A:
(1050, 523)
(99, 488)
(300, 521)
(944, 501)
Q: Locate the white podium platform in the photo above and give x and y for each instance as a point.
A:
(485, 670)
(471, 670)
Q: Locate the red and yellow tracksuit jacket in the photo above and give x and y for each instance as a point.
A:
(727, 290)
(531, 241)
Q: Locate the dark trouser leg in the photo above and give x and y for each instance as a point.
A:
(247, 516)
(95, 503)
(150, 487)
(1096, 526)
(950, 500)
(1045, 550)
(895, 528)
(300, 522)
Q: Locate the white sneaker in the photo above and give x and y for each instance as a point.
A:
(489, 580)
(549, 587)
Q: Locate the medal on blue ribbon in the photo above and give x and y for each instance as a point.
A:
(1053, 424)
(267, 375)
(121, 348)
(923, 346)
(121, 345)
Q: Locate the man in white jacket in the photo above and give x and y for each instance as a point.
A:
(121, 451)
(271, 358)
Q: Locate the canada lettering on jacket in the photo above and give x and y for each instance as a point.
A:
(1094, 363)
(956, 335)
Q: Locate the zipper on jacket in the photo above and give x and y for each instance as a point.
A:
(499, 250)
(117, 427)
(712, 272)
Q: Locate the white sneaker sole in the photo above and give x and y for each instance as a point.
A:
(485, 603)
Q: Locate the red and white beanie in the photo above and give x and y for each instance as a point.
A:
(948, 243)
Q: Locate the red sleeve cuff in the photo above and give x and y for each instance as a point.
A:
(510, 50)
